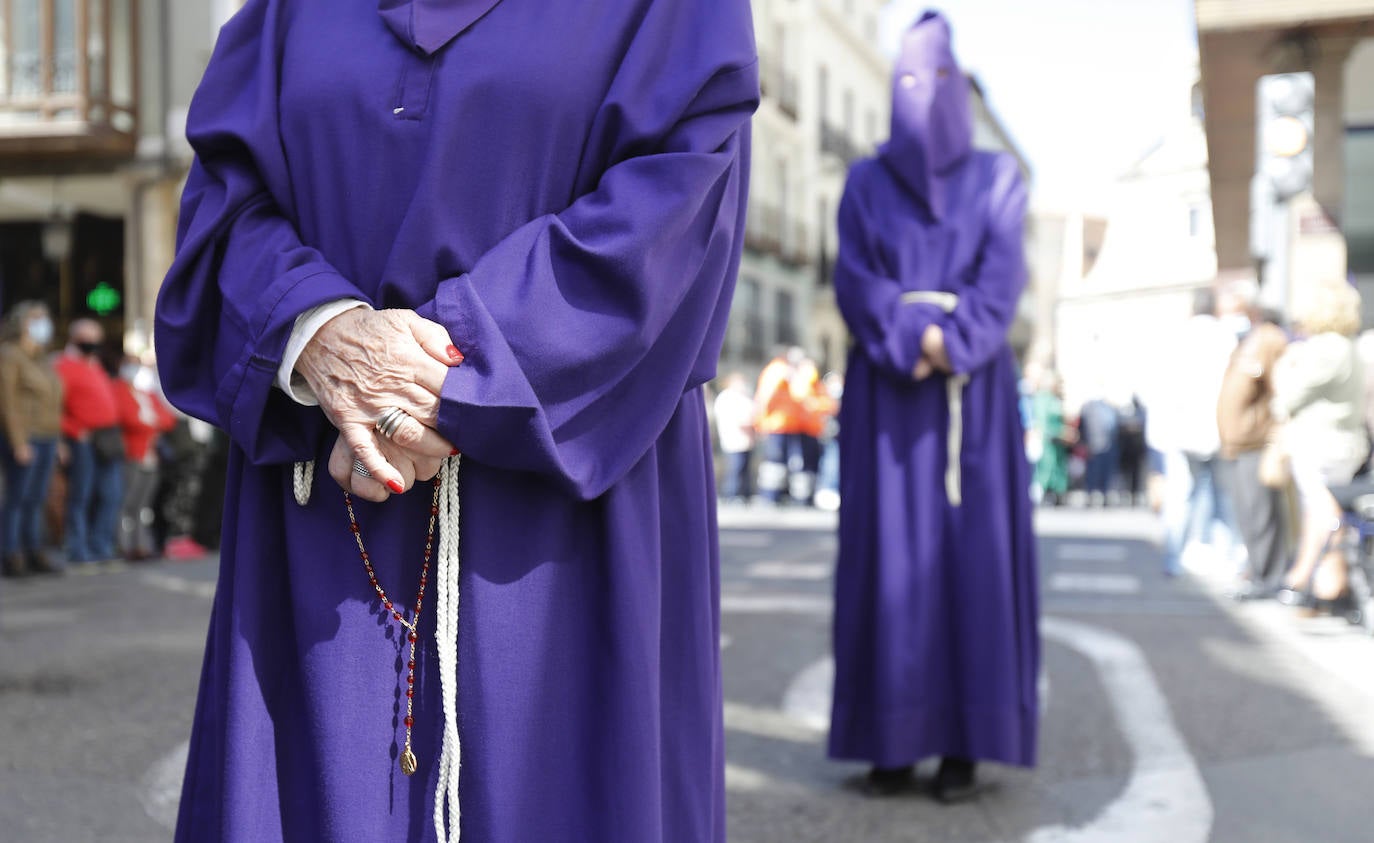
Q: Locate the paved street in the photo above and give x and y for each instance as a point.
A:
(1171, 714)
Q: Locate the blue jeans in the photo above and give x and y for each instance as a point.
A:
(26, 489)
(1196, 508)
(735, 483)
(95, 491)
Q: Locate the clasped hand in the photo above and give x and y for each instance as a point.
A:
(362, 363)
(934, 356)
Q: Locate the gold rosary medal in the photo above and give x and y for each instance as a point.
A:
(408, 762)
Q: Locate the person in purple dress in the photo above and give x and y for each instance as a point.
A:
(936, 598)
(413, 228)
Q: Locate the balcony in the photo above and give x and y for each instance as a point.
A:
(779, 86)
(67, 79)
(768, 231)
(835, 141)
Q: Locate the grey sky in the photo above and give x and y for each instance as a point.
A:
(1084, 86)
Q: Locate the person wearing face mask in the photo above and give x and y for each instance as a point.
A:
(144, 416)
(30, 419)
(95, 447)
(936, 598)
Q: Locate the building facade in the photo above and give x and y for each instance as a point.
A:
(1332, 225)
(825, 103)
(1157, 250)
(93, 99)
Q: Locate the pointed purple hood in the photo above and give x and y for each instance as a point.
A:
(428, 25)
(932, 122)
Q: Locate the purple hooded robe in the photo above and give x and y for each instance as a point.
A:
(936, 601)
(564, 192)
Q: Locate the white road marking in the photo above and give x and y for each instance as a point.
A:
(180, 585)
(1165, 798)
(782, 604)
(768, 723)
(1090, 552)
(807, 698)
(781, 570)
(736, 538)
(15, 619)
(160, 790)
(1094, 583)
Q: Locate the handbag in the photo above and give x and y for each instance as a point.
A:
(108, 444)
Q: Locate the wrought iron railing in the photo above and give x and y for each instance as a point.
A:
(68, 69)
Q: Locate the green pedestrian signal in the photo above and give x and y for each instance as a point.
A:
(103, 300)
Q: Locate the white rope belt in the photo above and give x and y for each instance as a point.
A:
(446, 808)
(954, 391)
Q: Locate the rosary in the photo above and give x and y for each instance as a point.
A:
(412, 626)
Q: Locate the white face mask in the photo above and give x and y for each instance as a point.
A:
(40, 330)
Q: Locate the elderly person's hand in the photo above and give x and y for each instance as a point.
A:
(933, 348)
(361, 364)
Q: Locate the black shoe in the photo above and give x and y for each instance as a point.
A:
(887, 781)
(955, 781)
(41, 563)
(14, 566)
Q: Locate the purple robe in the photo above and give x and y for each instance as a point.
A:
(935, 628)
(564, 192)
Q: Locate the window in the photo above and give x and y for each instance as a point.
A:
(782, 185)
(68, 60)
(1196, 219)
(848, 105)
(750, 300)
(786, 318)
(871, 127)
(823, 96)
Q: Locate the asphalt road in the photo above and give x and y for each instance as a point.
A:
(1172, 715)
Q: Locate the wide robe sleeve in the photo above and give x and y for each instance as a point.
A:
(583, 329)
(976, 330)
(886, 329)
(241, 274)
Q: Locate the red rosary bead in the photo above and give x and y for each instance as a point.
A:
(409, 721)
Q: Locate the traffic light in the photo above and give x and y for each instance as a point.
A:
(1285, 120)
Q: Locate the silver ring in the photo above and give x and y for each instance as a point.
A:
(359, 468)
(390, 421)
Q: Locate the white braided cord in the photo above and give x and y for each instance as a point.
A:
(302, 478)
(447, 813)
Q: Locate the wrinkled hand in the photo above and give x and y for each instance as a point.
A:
(360, 364)
(411, 465)
(23, 453)
(923, 369)
(933, 348)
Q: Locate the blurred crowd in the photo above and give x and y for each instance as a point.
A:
(97, 468)
(789, 418)
(1243, 445)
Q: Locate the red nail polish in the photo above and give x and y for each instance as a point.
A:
(454, 354)
(395, 487)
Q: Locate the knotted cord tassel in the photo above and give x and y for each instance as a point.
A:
(447, 814)
(302, 478)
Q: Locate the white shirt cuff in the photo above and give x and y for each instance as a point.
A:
(307, 325)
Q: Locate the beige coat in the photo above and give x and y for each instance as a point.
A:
(1319, 388)
(30, 396)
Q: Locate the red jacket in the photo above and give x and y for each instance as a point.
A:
(88, 396)
(139, 432)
